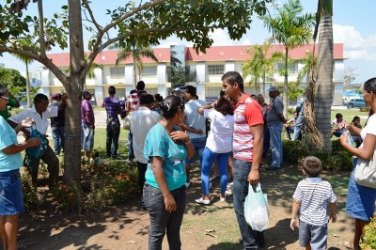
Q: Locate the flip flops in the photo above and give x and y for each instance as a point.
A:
(348, 245)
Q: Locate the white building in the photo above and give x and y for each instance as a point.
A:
(205, 69)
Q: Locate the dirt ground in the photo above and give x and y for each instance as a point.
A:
(204, 227)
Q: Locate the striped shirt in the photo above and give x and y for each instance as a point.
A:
(314, 194)
(247, 113)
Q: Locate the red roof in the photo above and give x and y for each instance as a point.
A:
(213, 54)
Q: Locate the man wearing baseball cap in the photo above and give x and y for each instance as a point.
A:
(275, 121)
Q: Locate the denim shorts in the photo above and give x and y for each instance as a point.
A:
(315, 236)
(11, 197)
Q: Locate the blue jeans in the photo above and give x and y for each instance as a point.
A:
(207, 162)
(241, 171)
(297, 132)
(112, 140)
(276, 144)
(11, 196)
(88, 137)
(130, 146)
(199, 145)
(161, 220)
(58, 137)
(266, 144)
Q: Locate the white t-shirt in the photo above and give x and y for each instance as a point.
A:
(221, 131)
(141, 121)
(370, 128)
(193, 119)
(41, 122)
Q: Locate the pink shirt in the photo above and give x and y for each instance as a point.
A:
(247, 113)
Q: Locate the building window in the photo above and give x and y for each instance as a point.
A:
(292, 68)
(216, 69)
(117, 72)
(149, 71)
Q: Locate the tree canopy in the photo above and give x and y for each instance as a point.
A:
(144, 23)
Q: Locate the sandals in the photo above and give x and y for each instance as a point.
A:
(348, 245)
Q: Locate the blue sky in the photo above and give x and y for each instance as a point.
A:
(353, 22)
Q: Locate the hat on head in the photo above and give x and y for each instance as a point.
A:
(86, 92)
(56, 96)
(274, 89)
(190, 90)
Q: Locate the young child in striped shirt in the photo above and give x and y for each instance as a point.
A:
(313, 198)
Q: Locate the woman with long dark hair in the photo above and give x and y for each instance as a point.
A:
(360, 199)
(218, 145)
(166, 148)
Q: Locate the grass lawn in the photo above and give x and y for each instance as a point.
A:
(100, 141)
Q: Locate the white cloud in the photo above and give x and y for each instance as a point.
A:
(356, 46)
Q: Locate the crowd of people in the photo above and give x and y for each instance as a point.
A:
(166, 134)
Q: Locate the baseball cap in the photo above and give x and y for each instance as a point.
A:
(274, 89)
(86, 92)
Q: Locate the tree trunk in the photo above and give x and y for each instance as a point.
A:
(285, 85)
(263, 83)
(74, 86)
(325, 86)
(28, 85)
(134, 73)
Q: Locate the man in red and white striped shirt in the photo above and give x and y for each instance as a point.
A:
(247, 150)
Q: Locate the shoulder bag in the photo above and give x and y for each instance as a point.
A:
(365, 172)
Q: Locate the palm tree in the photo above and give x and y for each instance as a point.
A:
(137, 52)
(261, 64)
(309, 61)
(27, 61)
(291, 28)
(325, 87)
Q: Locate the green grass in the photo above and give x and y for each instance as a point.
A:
(100, 141)
(348, 114)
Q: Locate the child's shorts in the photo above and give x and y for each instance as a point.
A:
(316, 236)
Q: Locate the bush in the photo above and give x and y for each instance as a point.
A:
(369, 236)
(340, 159)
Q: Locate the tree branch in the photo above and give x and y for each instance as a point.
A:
(41, 29)
(86, 4)
(105, 30)
(33, 54)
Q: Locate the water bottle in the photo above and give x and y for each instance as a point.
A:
(350, 139)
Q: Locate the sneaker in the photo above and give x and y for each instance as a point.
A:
(229, 188)
(202, 201)
(188, 184)
(222, 198)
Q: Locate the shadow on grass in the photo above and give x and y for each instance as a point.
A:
(274, 235)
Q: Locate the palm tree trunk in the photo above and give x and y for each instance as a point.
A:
(325, 86)
(134, 73)
(285, 85)
(263, 83)
(27, 85)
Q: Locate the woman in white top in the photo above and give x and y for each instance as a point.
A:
(218, 145)
(360, 199)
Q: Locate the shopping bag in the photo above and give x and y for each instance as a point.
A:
(256, 211)
(39, 150)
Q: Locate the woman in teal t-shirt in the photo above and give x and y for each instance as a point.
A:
(11, 197)
(166, 147)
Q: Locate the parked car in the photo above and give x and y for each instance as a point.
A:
(356, 103)
(346, 98)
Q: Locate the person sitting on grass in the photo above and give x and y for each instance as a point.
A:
(338, 125)
(312, 197)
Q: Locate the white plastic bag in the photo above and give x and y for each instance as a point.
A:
(256, 211)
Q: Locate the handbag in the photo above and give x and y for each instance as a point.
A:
(126, 122)
(365, 172)
(39, 150)
(256, 211)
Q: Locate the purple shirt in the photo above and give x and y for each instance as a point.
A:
(87, 114)
(112, 106)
